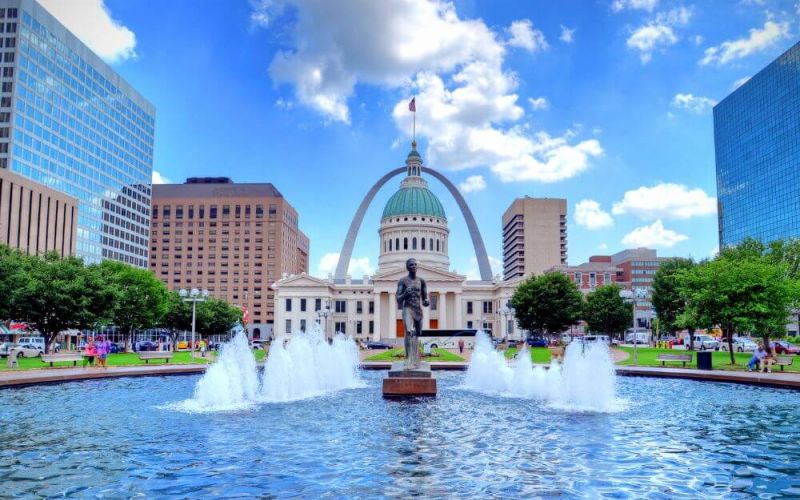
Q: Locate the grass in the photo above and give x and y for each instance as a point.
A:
(128, 359)
(399, 353)
(720, 360)
(538, 354)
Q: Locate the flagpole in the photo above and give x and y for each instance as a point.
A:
(414, 133)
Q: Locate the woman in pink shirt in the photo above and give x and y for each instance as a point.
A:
(91, 351)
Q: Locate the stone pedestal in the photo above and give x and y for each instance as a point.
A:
(403, 383)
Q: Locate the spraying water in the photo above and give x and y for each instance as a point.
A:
(301, 367)
(585, 381)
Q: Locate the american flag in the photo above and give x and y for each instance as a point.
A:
(412, 106)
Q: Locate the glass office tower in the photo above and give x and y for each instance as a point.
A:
(69, 121)
(757, 141)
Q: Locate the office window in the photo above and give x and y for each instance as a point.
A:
(212, 213)
(288, 326)
(302, 325)
(302, 305)
(359, 307)
(288, 305)
(359, 328)
(341, 306)
(487, 307)
(371, 326)
(372, 307)
(469, 307)
(317, 304)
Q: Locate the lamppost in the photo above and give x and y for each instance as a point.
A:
(506, 313)
(631, 296)
(323, 315)
(194, 296)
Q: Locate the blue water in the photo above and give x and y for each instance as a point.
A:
(676, 439)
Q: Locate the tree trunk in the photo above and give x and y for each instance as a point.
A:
(729, 338)
(49, 337)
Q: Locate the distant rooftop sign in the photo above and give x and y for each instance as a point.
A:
(209, 180)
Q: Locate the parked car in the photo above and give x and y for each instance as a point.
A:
(537, 342)
(5, 348)
(146, 345)
(783, 347)
(705, 342)
(596, 338)
(740, 344)
(37, 342)
(637, 337)
(256, 344)
(378, 345)
(26, 351)
(116, 348)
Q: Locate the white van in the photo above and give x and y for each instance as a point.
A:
(37, 342)
(596, 338)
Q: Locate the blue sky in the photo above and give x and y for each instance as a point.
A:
(606, 103)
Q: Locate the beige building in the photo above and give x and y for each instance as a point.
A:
(534, 236)
(233, 240)
(413, 225)
(35, 218)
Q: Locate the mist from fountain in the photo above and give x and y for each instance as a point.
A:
(585, 381)
(300, 367)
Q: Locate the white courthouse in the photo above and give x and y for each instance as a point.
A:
(413, 224)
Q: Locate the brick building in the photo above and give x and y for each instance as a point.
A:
(233, 240)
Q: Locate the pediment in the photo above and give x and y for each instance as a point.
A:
(300, 280)
(428, 273)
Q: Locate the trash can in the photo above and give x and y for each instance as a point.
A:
(704, 360)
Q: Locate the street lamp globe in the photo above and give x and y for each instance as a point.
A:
(195, 292)
(182, 292)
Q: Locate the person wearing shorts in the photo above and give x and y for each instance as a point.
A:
(91, 351)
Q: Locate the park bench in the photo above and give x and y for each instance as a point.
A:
(783, 361)
(55, 358)
(146, 356)
(684, 358)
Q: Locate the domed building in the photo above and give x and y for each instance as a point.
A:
(413, 224)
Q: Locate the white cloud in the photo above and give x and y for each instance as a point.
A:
(538, 103)
(698, 40)
(659, 32)
(359, 266)
(738, 83)
(467, 105)
(473, 273)
(282, 103)
(589, 215)
(567, 35)
(653, 235)
(759, 39)
(160, 179)
(91, 22)
(523, 35)
(693, 103)
(648, 5)
(602, 246)
(666, 201)
(473, 184)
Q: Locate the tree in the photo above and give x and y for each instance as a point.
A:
(215, 316)
(605, 312)
(549, 303)
(11, 264)
(748, 294)
(141, 297)
(57, 294)
(667, 299)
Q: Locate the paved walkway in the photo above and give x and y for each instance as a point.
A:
(54, 375)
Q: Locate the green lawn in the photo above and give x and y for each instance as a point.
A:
(538, 354)
(720, 360)
(398, 354)
(128, 359)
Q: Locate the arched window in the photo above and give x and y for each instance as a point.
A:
(422, 242)
(414, 243)
(431, 244)
(256, 333)
(390, 244)
(437, 245)
(405, 243)
(397, 244)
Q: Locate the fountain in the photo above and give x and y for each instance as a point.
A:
(584, 381)
(299, 367)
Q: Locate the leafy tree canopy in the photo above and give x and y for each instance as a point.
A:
(606, 312)
(549, 303)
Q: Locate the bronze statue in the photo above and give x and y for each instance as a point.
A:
(412, 294)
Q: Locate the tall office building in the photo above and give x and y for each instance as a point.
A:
(757, 141)
(35, 218)
(235, 240)
(70, 122)
(534, 236)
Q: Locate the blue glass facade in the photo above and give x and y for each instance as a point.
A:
(77, 127)
(757, 142)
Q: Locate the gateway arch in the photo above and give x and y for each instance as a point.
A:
(350, 241)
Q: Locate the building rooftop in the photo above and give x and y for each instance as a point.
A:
(216, 190)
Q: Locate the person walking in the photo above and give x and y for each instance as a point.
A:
(202, 348)
(90, 351)
(461, 346)
(103, 348)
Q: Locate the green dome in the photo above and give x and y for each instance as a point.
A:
(413, 201)
(414, 154)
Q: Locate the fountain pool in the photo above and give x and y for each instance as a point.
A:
(121, 438)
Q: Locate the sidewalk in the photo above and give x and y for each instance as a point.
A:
(12, 378)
